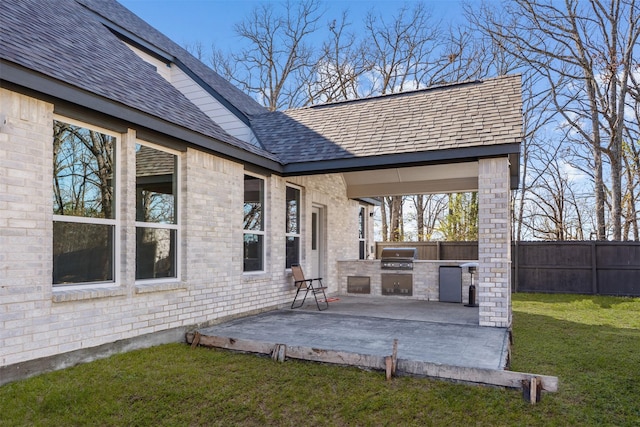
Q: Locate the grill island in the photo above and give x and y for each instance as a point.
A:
(397, 259)
(399, 273)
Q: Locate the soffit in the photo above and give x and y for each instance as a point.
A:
(451, 178)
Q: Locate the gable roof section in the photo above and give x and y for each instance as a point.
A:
(123, 18)
(65, 49)
(481, 117)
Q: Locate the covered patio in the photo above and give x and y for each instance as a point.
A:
(455, 138)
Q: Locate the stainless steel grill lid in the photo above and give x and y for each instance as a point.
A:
(398, 258)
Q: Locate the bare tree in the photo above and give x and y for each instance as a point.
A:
(430, 209)
(276, 64)
(556, 209)
(585, 51)
(631, 158)
(400, 48)
(341, 66)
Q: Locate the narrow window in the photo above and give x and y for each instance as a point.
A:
(314, 231)
(293, 226)
(362, 232)
(84, 209)
(156, 213)
(253, 224)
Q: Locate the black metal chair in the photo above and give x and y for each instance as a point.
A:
(307, 285)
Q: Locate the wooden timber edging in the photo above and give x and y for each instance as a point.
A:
(531, 384)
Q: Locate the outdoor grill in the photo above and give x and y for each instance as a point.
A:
(397, 258)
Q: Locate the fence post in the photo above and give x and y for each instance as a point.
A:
(594, 268)
(438, 250)
(516, 265)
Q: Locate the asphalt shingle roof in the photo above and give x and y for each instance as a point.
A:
(66, 41)
(471, 114)
(124, 18)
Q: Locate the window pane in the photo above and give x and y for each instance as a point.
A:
(83, 172)
(253, 250)
(155, 185)
(155, 253)
(293, 210)
(82, 253)
(314, 231)
(361, 223)
(253, 203)
(362, 243)
(293, 251)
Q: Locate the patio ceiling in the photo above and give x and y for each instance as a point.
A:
(443, 178)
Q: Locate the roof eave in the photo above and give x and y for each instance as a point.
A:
(432, 157)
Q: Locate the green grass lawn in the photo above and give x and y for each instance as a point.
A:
(591, 343)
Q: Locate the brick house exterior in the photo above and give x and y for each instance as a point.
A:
(115, 76)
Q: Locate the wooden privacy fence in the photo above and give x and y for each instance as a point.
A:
(435, 250)
(580, 267)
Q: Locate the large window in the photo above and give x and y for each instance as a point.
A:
(293, 226)
(84, 205)
(253, 223)
(156, 213)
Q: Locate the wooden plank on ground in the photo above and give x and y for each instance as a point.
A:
(337, 357)
(494, 377)
(250, 346)
(497, 377)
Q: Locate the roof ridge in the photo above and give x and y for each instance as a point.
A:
(446, 85)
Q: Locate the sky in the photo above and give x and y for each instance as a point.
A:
(212, 21)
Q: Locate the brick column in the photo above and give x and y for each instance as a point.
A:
(494, 243)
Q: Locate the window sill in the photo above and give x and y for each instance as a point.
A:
(67, 295)
(145, 288)
(249, 276)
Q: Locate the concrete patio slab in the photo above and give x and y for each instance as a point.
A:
(438, 333)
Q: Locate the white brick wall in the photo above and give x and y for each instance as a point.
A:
(494, 243)
(341, 228)
(26, 129)
(36, 322)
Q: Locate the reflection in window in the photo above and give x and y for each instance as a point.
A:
(82, 253)
(83, 205)
(253, 223)
(253, 250)
(82, 172)
(156, 220)
(292, 227)
(155, 253)
(253, 201)
(155, 181)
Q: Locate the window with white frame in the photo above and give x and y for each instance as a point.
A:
(254, 224)
(362, 233)
(84, 204)
(157, 223)
(292, 226)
